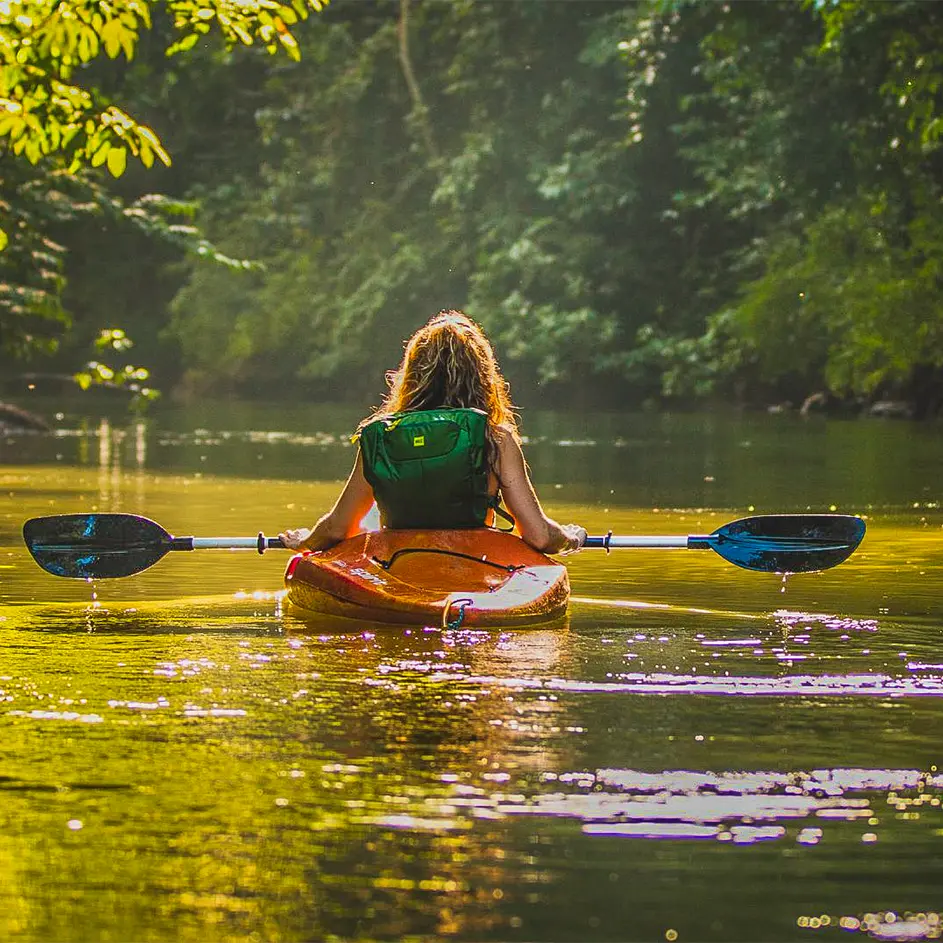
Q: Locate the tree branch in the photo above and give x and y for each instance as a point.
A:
(420, 110)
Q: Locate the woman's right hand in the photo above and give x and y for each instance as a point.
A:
(295, 539)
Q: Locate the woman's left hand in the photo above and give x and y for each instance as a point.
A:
(295, 539)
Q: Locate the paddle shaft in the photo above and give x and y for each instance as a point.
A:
(608, 542)
(260, 543)
(602, 543)
(666, 543)
(613, 542)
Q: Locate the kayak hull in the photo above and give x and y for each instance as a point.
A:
(473, 577)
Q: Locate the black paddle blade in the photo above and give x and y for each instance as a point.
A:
(788, 543)
(95, 546)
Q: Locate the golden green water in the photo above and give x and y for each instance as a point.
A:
(703, 753)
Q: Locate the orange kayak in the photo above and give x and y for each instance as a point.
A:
(449, 578)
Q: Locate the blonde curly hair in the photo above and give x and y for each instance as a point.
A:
(449, 363)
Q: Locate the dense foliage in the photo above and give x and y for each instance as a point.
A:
(57, 124)
(639, 200)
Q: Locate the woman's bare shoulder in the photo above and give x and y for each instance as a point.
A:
(511, 461)
(504, 432)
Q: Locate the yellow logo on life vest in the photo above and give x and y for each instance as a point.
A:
(418, 440)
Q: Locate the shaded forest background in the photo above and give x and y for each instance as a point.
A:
(642, 202)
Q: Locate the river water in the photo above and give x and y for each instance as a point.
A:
(702, 753)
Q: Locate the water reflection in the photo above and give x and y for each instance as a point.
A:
(696, 752)
(881, 925)
(621, 459)
(725, 806)
(391, 783)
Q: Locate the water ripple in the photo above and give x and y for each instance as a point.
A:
(739, 807)
(881, 925)
(850, 685)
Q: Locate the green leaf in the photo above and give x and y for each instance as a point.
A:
(101, 155)
(117, 161)
(111, 37)
(182, 45)
(244, 35)
(290, 46)
(148, 136)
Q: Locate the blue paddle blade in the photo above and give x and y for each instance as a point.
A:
(786, 543)
(95, 546)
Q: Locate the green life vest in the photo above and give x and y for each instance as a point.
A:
(429, 468)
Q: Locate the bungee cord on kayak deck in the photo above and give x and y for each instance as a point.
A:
(403, 551)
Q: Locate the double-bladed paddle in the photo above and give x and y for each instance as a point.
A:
(105, 546)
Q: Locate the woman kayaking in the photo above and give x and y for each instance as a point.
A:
(442, 450)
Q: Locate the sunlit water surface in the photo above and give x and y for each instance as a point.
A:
(702, 753)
